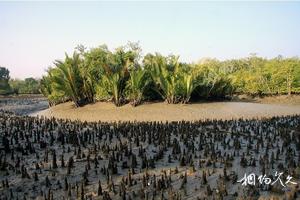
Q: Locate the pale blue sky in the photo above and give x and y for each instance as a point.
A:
(33, 35)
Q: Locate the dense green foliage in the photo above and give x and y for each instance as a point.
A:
(256, 75)
(16, 86)
(27, 86)
(4, 78)
(125, 76)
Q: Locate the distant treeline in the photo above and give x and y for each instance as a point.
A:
(15, 86)
(125, 76)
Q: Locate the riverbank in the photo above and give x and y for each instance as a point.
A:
(103, 111)
(272, 99)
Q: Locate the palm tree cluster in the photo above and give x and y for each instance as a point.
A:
(123, 76)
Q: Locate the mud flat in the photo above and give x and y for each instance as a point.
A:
(23, 104)
(51, 159)
(107, 112)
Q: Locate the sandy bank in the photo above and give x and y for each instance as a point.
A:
(102, 111)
